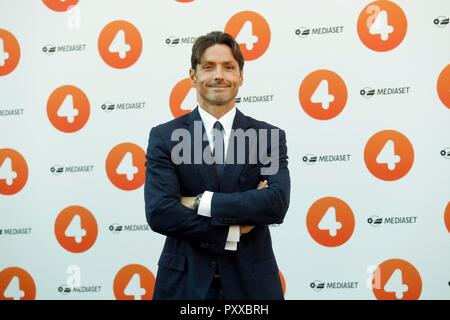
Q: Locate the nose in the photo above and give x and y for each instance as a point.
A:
(218, 74)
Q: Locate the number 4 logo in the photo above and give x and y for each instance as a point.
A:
(382, 25)
(330, 221)
(3, 54)
(389, 155)
(323, 94)
(251, 31)
(13, 171)
(68, 109)
(16, 284)
(9, 52)
(125, 166)
(396, 279)
(76, 229)
(120, 44)
(134, 282)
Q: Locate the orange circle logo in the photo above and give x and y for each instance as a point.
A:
(76, 229)
(60, 5)
(389, 155)
(382, 25)
(134, 282)
(447, 217)
(323, 94)
(330, 221)
(68, 109)
(120, 44)
(16, 284)
(251, 31)
(125, 166)
(396, 279)
(283, 282)
(9, 52)
(182, 97)
(443, 86)
(13, 171)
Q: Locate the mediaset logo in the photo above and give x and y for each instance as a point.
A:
(318, 285)
(255, 99)
(15, 231)
(10, 112)
(304, 32)
(117, 228)
(65, 290)
(58, 170)
(376, 221)
(445, 153)
(369, 92)
(109, 107)
(441, 21)
(50, 49)
(173, 41)
(311, 159)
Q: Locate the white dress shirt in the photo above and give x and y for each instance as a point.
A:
(204, 208)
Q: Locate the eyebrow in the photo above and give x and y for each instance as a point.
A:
(225, 62)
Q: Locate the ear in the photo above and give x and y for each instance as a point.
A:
(241, 78)
(193, 76)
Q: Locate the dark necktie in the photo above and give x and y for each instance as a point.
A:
(219, 148)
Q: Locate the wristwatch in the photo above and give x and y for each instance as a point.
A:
(197, 200)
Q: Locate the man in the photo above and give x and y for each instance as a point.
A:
(216, 214)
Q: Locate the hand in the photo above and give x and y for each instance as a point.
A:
(187, 202)
(247, 229)
(262, 184)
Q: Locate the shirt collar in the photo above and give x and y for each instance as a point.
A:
(209, 120)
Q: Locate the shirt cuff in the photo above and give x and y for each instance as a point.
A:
(234, 234)
(204, 208)
(231, 245)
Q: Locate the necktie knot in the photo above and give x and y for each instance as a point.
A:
(218, 126)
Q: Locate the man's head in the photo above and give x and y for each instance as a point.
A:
(216, 69)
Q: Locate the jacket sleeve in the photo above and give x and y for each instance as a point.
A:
(257, 207)
(164, 212)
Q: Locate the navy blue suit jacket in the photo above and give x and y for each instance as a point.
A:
(195, 244)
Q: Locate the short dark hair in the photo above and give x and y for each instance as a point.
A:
(216, 37)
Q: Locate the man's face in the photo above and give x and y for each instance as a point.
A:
(217, 77)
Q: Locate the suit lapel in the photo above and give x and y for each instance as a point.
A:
(232, 171)
(207, 172)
